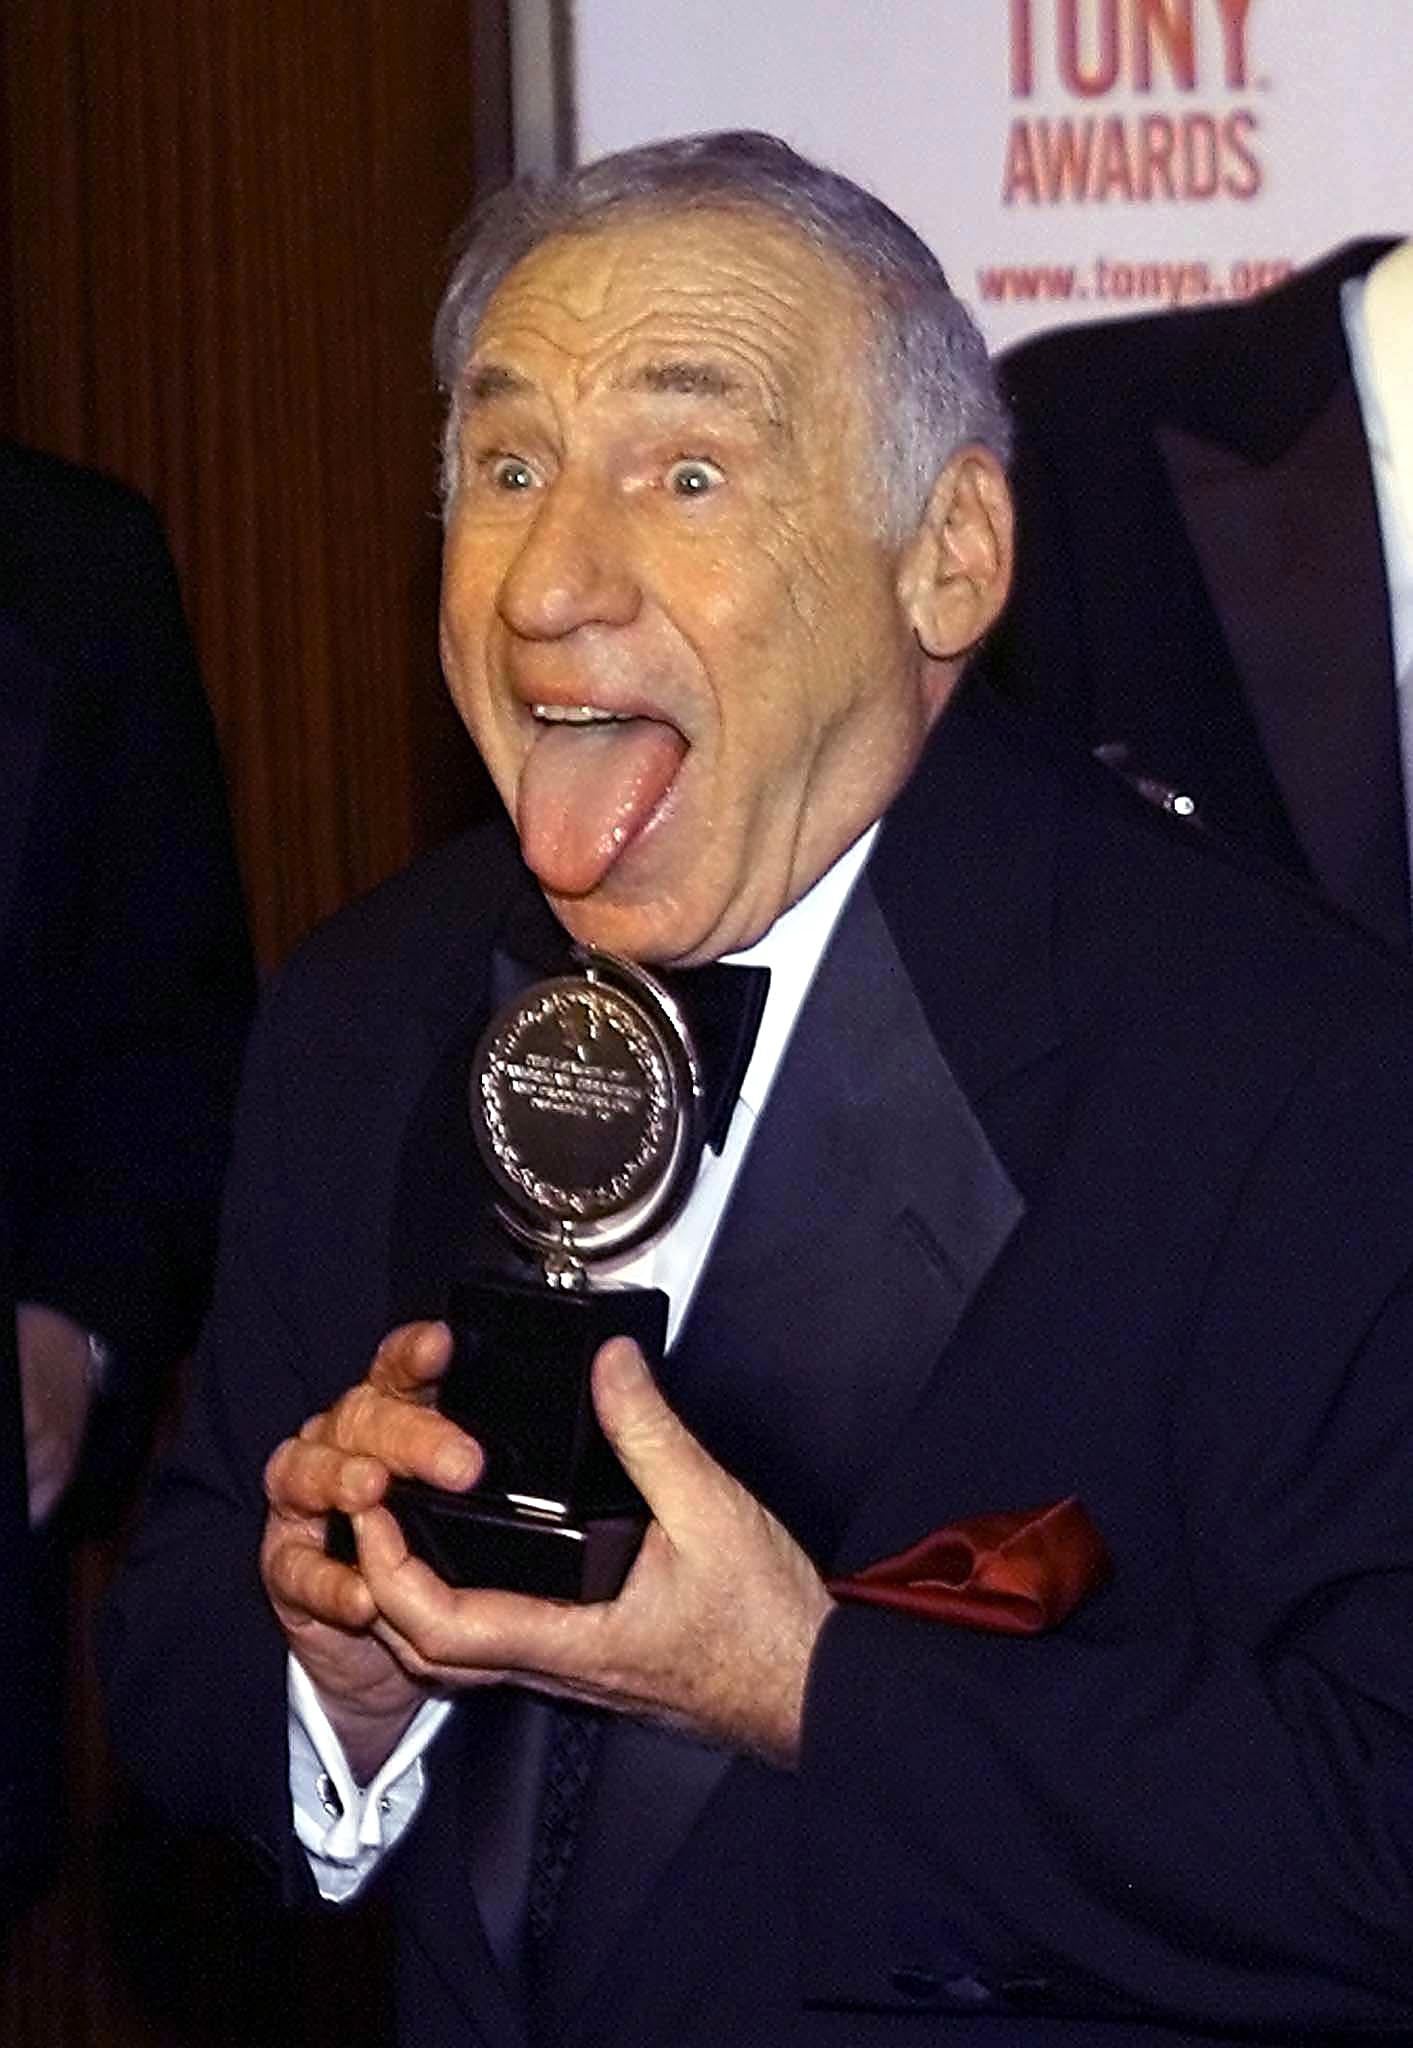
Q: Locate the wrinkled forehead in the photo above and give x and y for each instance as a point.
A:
(732, 287)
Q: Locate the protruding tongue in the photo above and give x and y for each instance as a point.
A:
(585, 794)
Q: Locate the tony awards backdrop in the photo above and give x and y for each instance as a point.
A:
(1068, 159)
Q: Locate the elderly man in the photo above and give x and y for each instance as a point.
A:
(1070, 1161)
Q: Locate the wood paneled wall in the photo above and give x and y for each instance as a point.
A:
(226, 226)
(223, 229)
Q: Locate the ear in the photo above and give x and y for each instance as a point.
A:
(956, 570)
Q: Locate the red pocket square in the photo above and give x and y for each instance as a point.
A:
(1016, 1573)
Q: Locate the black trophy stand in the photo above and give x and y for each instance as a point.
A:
(554, 1513)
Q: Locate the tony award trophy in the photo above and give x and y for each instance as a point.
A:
(587, 1107)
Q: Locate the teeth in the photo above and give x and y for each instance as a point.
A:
(577, 714)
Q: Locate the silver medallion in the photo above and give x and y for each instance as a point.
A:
(586, 1105)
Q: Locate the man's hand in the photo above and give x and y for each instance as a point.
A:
(712, 1633)
(56, 1393)
(382, 1428)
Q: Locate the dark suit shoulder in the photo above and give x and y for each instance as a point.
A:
(1209, 364)
(1211, 912)
(89, 588)
(1153, 913)
(70, 490)
(387, 949)
(60, 520)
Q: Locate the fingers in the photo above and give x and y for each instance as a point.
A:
(306, 1478)
(410, 1360)
(305, 1585)
(342, 1460)
(381, 1428)
(409, 1440)
(414, 1606)
(462, 1636)
(389, 1416)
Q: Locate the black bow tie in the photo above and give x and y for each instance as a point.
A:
(722, 1004)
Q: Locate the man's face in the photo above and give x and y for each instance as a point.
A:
(666, 618)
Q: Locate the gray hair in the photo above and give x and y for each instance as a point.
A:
(934, 386)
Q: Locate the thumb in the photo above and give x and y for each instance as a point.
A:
(654, 1446)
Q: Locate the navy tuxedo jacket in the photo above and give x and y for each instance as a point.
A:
(125, 991)
(1200, 579)
(1086, 1172)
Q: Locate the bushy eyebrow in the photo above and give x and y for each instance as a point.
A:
(708, 380)
(485, 382)
(694, 377)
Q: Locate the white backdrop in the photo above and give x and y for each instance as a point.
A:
(1066, 158)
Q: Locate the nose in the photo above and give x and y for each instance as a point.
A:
(572, 568)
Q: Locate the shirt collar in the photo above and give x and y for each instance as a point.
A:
(1397, 540)
(792, 949)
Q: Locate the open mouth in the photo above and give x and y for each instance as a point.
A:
(592, 781)
(578, 714)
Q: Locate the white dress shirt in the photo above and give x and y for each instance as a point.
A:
(1378, 326)
(346, 1828)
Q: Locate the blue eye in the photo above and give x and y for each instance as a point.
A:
(509, 473)
(693, 477)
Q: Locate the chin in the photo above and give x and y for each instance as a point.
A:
(631, 933)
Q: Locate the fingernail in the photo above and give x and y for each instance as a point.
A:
(456, 1465)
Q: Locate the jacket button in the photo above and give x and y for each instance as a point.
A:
(968, 1991)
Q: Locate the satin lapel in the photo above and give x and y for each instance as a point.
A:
(1291, 555)
(24, 717)
(964, 874)
(871, 1191)
(871, 1186)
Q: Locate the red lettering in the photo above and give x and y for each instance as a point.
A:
(1233, 16)
(1033, 281)
(1022, 51)
(1113, 178)
(1199, 156)
(1066, 153)
(1156, 143)
(1020, 179)
(1093, 83)
(1194, 156)
(1245, 182)
(1168, 22)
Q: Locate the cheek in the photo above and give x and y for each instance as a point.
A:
(761, 616)
(469, 619)
(818, 659)
(475, 561)
(829, 585)
(468, 667)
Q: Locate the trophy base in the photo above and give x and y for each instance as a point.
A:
(470, 1540)
(520, 1384)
